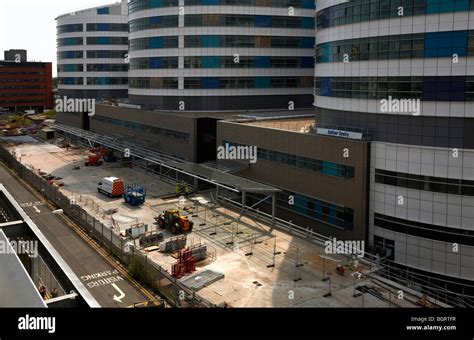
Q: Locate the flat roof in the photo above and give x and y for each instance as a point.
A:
(233, 115)
(289, 124)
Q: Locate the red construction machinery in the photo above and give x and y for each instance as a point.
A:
(95, 156)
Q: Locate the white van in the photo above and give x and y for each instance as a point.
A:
(111, 186)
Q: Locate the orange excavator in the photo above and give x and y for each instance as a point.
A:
(95, 156)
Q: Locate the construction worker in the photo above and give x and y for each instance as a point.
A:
(182, 189)
(186, 189)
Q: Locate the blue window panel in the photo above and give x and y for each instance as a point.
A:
(70, 54)
(300, 204)
(156, 62)
(306, 62)
(461, 5)
(262, 82)
(263, 21)
(330, 168)
(326, 86)
(211, 2)
(103, 40)
(443, 90)
(458, 89)
(210, 41)
(332, 218)
(319, 211)
(326, 53)
(350, 172)
(443, 6)
(156, 42)
(429, 88)
(460, 43)
(210, 82)
(156, 3)
(307, 22)
(263, 62)
(211, 62)
(307, 42)
(325, 19)
(156, 20)
(105, 10)
(103, 27)
(308, 4)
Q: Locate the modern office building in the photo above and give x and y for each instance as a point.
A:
(213, 55)
(25, 85)
(422, 158)
(92, 46)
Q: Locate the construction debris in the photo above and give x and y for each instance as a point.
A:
(152, 238)
(173, 244)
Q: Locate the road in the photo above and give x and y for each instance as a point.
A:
(110, 285)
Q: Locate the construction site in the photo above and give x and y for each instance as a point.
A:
(226, 255)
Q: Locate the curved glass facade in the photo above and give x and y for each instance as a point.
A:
(404, 46)
(97, 41)
(140, 5)
(367, 10)
(198, 50)
(454, 89)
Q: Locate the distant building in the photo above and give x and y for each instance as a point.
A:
(92, 46)
(25, 85)
(16, 55)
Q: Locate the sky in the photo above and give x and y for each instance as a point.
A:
(30, 25)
